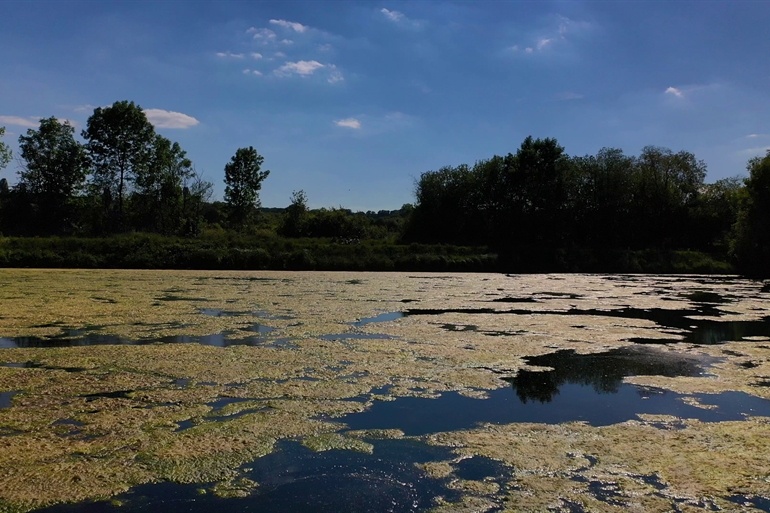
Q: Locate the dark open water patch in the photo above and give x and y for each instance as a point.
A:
(383, 317)
(694, 331)
(754, 501)
(6, 398)
(604, 372)
(298, 480)
(76, 338)
(586, 388)
(452, 411)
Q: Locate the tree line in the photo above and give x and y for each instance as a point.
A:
(539, 202)
(531, 207)
(124, 177)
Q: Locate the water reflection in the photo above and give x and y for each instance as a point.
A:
(602, 371)
(580, 387)
(296, 479)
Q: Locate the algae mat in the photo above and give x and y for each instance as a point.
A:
(110, 380)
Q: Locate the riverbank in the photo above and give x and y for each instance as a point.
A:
(231, 251)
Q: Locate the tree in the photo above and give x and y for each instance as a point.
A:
(120, 144)
(599, 193)
(667, 186)
(243, 181)
(54, 171)
(196, 194)
(295, 220)
(159, 198)
(5, 151)
(752, 242)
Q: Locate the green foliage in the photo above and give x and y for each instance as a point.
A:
(120, 143)
(752, 243)
(243, 181)
(158, 202)
(54, 171)
(540, 197)
(294, 222)
(5, 151)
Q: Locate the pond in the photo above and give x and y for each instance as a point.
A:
(189, 391)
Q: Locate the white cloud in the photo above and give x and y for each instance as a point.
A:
(256, 72)
(170, 119)
(287, 42)
(543, 43)
(349, 123)
(335, 76)
(229, 54)
(528, 49)
(755, 136)
(393, 15)
(303, 68)
(676, 92)
(261, 33)
(84, 108)
(30, 122)
(297, 27)
(325, 47)
(256, 55)
(279, 55)
(515, 48)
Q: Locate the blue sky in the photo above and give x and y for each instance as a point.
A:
(351, 101)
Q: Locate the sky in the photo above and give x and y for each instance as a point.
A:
(351, 101)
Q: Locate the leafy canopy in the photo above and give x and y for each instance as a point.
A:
(243, 181)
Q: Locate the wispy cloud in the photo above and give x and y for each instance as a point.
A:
(296, 27)
(753, 152)
(256, 55)
(303, 68)
(262, 33)
(170, 119)
(676, 92)
(29, 122)
(756, 136)
(229, 54)
(84, 108)
(556, 35)
(393, 15)
(334, 75)
(349, 123)
(252, 72)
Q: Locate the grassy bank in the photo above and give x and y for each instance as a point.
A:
(262, 252)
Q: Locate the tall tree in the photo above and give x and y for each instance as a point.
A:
(159, 187)
(120, 144)
(752, 244)
(243, 181)
(294, 222)
(536, 191)
(54, 170)
(5, 151)
(196, 194)
(667, 185)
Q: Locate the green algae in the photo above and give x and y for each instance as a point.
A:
(136, 424)
(333, 441)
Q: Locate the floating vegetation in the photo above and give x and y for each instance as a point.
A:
(166, 384)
